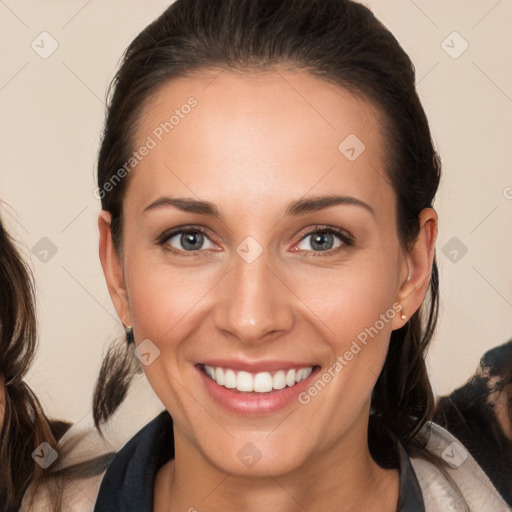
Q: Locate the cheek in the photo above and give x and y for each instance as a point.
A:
(162, 302)
(351, 299)
(355, 307)
(346, 299)
(160, 294)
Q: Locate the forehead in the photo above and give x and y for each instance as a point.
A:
(274, 136)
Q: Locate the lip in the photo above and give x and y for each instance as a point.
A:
(254, 403)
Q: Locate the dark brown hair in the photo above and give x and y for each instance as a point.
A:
(338, 41)
(470, 414)
(25, 424)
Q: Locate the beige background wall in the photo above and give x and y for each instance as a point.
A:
(52, 113)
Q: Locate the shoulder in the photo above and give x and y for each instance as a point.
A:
(460, 472)
(82, 456)
(76, 495)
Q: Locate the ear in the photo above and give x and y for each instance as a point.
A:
(113, 269)
(418, 267)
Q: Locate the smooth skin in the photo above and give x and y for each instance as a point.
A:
(253, 144)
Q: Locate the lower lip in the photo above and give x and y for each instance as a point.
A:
(255, 403)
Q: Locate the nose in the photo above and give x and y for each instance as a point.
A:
(255, 304)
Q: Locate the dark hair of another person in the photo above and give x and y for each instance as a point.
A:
(338, 41)
(469, 413)
(25, 424)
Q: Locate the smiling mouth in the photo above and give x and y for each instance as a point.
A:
(261, 382)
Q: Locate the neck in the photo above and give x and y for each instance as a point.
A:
(345, 478)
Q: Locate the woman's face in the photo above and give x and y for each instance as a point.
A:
(271, 277)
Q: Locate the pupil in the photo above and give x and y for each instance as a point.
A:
(191, 241)
(318, 241)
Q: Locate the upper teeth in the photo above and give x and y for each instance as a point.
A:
(262, 382)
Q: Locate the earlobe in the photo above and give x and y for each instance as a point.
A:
(419, 260)
(112, 268)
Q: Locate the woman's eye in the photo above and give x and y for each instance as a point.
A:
(323, 240)
(189, 241)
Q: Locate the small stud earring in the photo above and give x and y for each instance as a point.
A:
(403, 317)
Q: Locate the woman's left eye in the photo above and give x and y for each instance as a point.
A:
(324, 240)
(191, 241)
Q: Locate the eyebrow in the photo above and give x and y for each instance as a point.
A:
(298, 207)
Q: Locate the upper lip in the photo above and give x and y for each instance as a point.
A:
(256, 366)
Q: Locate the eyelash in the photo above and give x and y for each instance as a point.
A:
(346, 238)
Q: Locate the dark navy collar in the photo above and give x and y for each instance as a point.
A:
(130, 478)
(129, 481)
(410, 496)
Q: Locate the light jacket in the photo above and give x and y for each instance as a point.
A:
(127, 485)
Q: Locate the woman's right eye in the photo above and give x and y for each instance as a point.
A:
(191, 241)
(187, 240)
